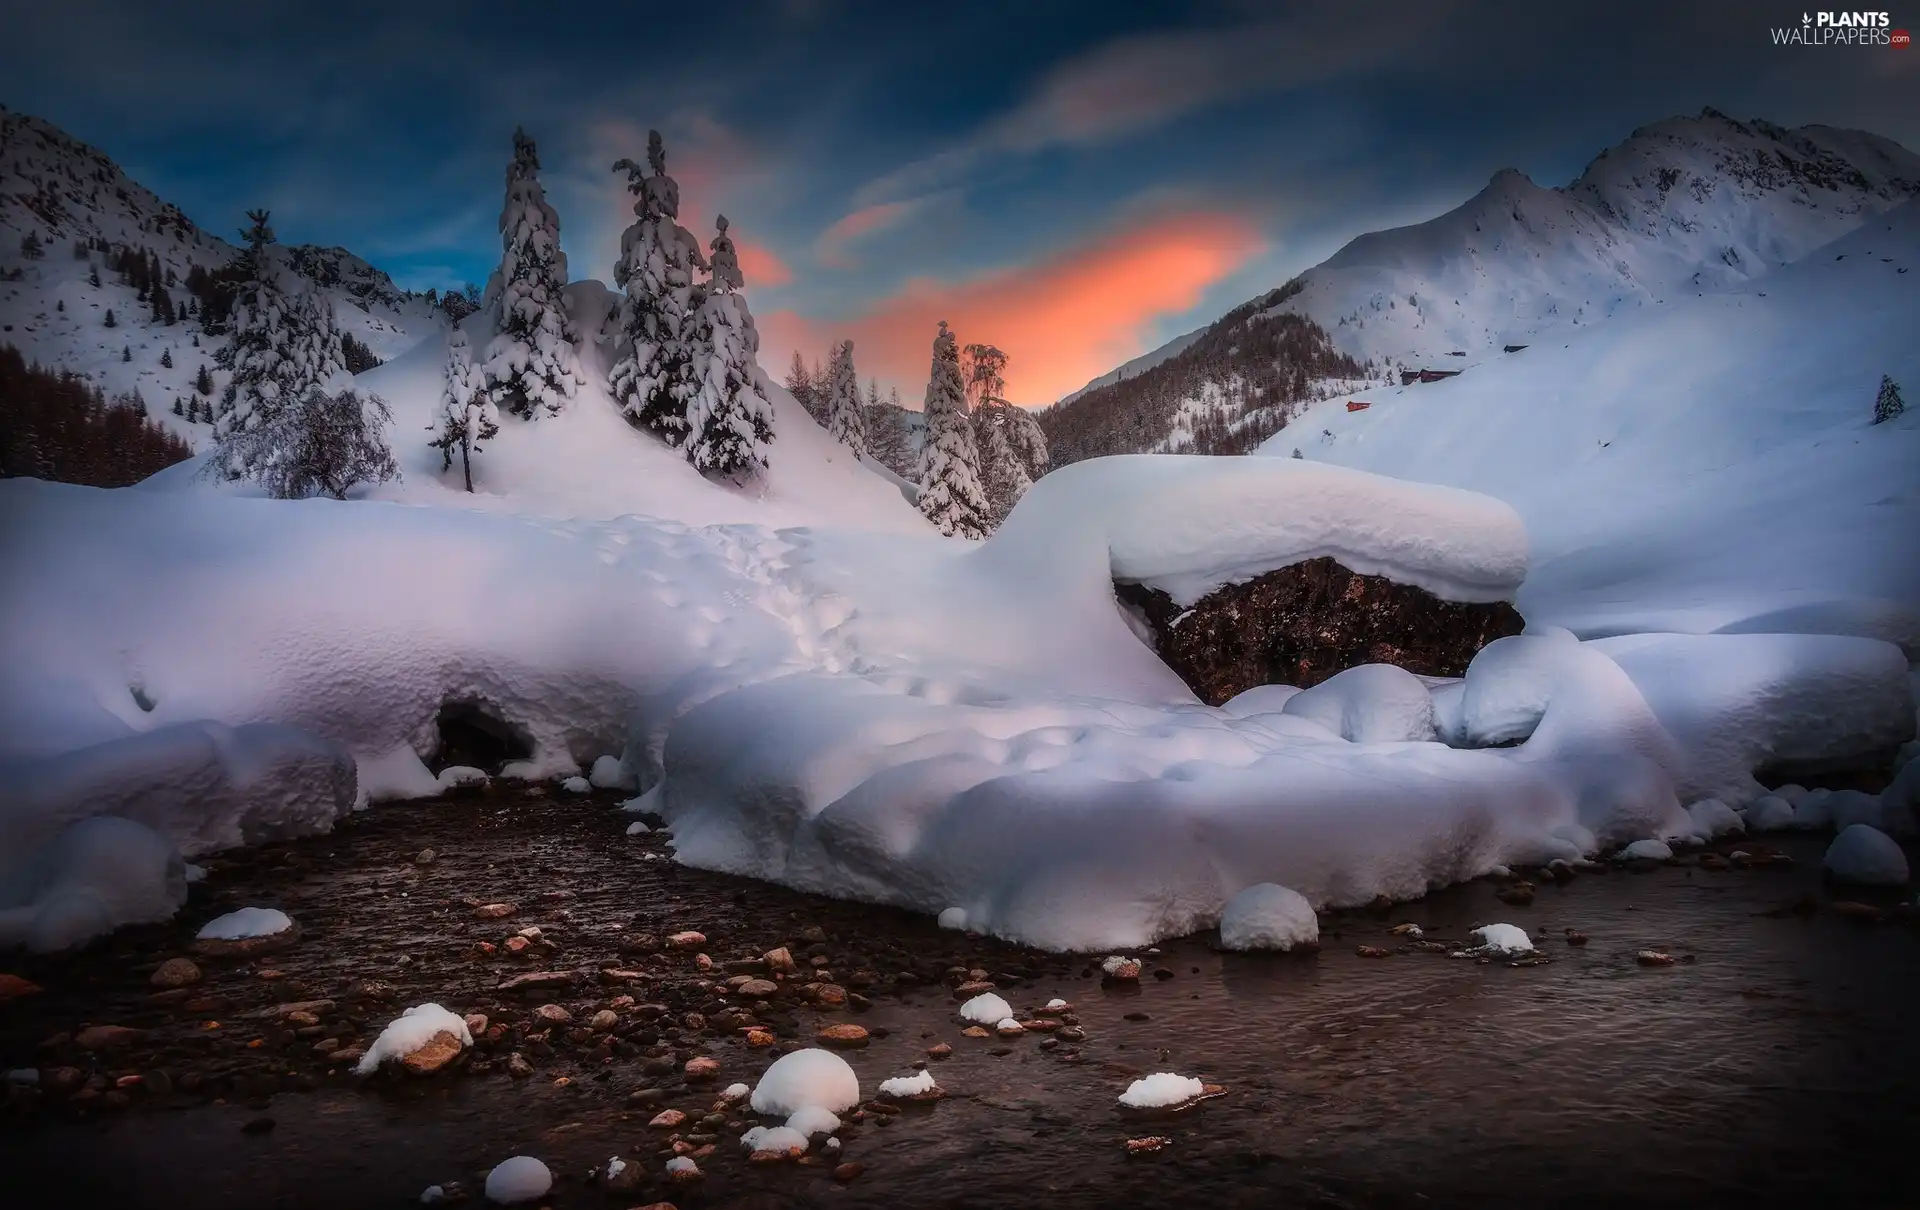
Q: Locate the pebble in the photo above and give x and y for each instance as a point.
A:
(603, 1020)
(553, 1014)
(847, 1172)
(518, 1067)
(975, 1031)
(702, 1068)
(107, 1037)
(440, 1050)
(476, 1023)
(1576, 937)
(424, 857)
(176, 972)
(1653, 958)
(845, 1035)
(257, 1126)
(759, 1038)
(493, 911)
(1519, 894)
(1372, 951)
(668, 1119)
(1149, 1145)
(939, 1050)
(687, 940)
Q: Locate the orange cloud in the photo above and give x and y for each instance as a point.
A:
(831, 247)
(761, 264)
(1062, 321)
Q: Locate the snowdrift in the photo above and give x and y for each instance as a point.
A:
(897, 718)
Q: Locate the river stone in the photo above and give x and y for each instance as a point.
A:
(845, 1035)
(1303, 623)
(440, 1050)
(176, 972)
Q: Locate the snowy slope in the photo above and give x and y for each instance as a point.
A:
(1145, 361)
(63, 191)
(1682, 206)
(1704, 462)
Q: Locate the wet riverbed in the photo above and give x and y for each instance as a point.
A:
(1772, 1063)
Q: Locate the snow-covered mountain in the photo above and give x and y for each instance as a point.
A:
(1682, 207)
(69, 198)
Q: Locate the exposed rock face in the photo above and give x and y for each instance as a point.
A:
(1301, 624)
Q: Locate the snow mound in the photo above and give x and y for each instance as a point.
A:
(1371, 704)
(409, 1032)
(1848, 807)
(1713, 819)
(1265, 916)
(1261, 699)
(1769, 813)
(1161, 1090)
(1735, 703)
(919, 1084)
(809, 1120)
(1867, 857)
(775, 1138)
(96, 875)
(1502, 939)
(986, 1009)
(519, 1179)
(1190, 524)
(952, 918)
(1508, 685)
(202, 785)
(810, 1077)
(577, 785)
(1647, 850)
(245, 922)
(610, 773)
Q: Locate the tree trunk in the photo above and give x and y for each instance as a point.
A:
(466, 462)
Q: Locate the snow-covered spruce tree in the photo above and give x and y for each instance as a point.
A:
(846, 417)
(265, 333)
(888, 441)
(315, 444)
(949, 467)
(729, 423)
(467, 416)
(1013, 453)
(652, 374)
(530, 364)
(318, 354)
(1888, 404)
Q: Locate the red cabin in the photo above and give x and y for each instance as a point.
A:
(1354, 405)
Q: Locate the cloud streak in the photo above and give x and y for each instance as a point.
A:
(1062, 320)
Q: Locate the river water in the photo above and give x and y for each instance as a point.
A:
(1774, 1063)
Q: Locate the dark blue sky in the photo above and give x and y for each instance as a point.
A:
(1074, 181)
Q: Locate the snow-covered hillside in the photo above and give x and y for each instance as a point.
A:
(63, 192)
(1704, 462)
(1684, 206)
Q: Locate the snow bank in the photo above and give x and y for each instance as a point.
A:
(518, 1179)
(812, 1077)
(202, 785)
(1736, 703)
(1371, 704)
(1265, 916)
(1647, 850)
(809, 1120)
(1713, 819)
(1189, 524)
(409, 1032)
(96, 875)
(1866, 856)
(243, 923)
(1161, 1090)
(1503, 939)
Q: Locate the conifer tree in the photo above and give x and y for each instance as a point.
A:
(805, 391)
(30, 248)
(319, 443)
(126, 353)
(467, 416)
(846, 418)
(93, 279)
(949, 465)
(530, 364)
(652, 374)
(1887, 404)
(179, 409)
(166, 358)
(110, 321)
(729, 422)
(203, 381)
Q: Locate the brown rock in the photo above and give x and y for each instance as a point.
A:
(668, 1119)
(424, 857)
(346, 1055)
(603, 1021)
(702, 1068)
(829, 995)
(1301, 624)
(758, 1038)
(1859, 911)
(174, 972)
(939, 1050)
(518, 1067)
(688, 940)
(1653, 958)
(107, 1037)
(1576, 937)
(552, 1014)
(848, 1171)
(494, 911)
(780, 961)
(845, 1035)
(976, 1031)
(1148, 1146)
(440, 1050)
(1519, 894)
(1372, 951)
(476, 1024)
(247, 947)
(538, 979)
(758, 989)
(517, 945)
(972, 988)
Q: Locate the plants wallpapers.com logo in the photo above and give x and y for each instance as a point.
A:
(1842, 29)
